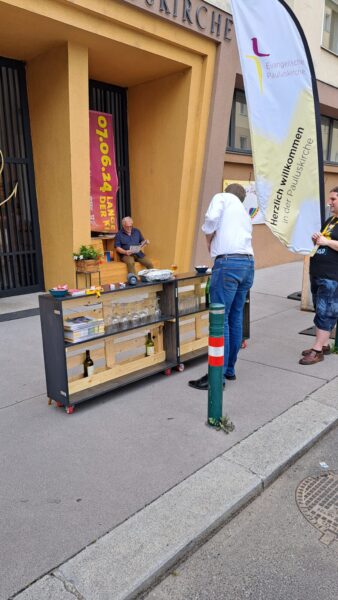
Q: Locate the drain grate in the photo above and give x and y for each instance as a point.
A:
(317, 499)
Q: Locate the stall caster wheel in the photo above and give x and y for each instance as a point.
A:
(167, 372)
(180, 368)
(69, 410)
(59, 404)
(49, 401)
(244, 344)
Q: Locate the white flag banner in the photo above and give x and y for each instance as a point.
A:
(283, 109)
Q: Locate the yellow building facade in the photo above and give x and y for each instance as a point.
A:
(166, 55)
(177, 61)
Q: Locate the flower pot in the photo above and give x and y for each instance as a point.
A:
(87, 266)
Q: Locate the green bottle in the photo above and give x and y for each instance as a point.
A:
(207, 294)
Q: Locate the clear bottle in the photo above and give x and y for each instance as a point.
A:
(88, 365)
(157, 311)
(207, 294)
(150, 347)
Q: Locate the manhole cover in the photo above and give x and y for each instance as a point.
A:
(317, 499)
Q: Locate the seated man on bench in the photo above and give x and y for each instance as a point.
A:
(128, 244)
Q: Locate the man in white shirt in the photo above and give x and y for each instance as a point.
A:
(228, 231)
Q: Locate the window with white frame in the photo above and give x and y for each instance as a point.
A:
(239, 132)
(334, 142)
(329, 139)
(330, 26)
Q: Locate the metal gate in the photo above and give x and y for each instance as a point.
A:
(112, 99)
(20, 249)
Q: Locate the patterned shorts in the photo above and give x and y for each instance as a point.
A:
(325, 300)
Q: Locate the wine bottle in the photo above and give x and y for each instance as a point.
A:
(88, 365)
(150, 348)
(207, 293)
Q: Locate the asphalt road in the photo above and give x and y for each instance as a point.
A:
(269, 551)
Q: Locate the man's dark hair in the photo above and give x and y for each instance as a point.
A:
(236, 189)
(335, 190)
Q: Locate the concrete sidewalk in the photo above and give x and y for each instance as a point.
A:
(130, 482)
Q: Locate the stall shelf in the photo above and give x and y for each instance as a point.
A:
(174, 311)
(120, 320)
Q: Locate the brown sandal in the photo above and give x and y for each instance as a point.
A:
(312, 358)
(325, 349)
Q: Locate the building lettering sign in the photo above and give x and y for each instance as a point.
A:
(194, 15)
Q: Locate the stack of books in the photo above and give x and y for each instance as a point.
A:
(82, 328)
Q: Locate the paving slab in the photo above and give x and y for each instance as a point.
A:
(21, 361)
(275, 342)
(265, 305)
(129, 558)
(18, 303)
(268, 451)
(48, 588)
(327, 394)
(279, 281)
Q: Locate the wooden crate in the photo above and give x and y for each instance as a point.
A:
(114, 356)
(118, 354)
(191, 294)
(194, 330)
(87, 266)
(90, 306)
(130, 301)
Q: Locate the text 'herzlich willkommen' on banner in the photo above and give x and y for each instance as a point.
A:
(103, 173)
(282, 99)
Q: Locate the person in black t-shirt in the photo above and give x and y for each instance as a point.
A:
(127, 238)
(324, 283)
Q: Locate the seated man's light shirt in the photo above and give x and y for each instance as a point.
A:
(227, 217)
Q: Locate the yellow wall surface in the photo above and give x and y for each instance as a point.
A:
(79, 142)
(169, 73)
(48, 104)
(157, 133)
(57, 84)
(167, 132)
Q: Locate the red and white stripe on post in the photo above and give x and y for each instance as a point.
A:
(216, 351)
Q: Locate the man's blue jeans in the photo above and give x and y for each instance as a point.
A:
(231, 279)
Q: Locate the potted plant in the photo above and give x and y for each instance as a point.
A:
(87, 259)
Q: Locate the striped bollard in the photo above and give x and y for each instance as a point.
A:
(215, 363)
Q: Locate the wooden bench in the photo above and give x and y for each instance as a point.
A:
(114, 270)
